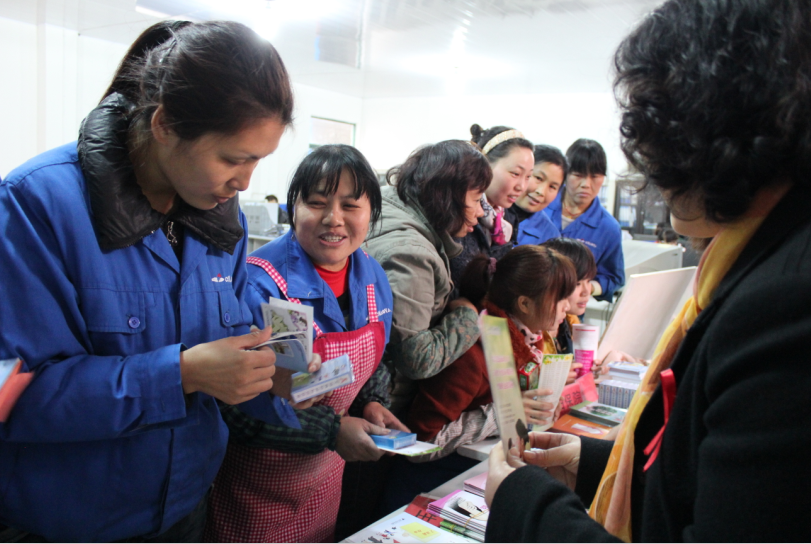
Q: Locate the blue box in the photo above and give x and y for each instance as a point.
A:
(395, 439)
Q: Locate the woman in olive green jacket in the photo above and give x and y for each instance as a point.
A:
(435, 197)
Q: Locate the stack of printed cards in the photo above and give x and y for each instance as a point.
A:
(292, 337)
(465, 509)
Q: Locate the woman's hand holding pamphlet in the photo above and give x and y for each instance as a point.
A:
(292, 341)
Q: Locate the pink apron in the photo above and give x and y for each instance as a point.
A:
(264, 495)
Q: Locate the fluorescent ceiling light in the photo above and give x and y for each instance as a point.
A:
(151, 12)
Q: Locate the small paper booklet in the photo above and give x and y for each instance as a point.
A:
(465, 509)
(498, 354)
(403, 527)
(476, 484)
(420, 448)
(599, 413)
(333, 374)
(292, 337)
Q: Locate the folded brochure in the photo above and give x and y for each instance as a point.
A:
(292, 337)
(333, 374)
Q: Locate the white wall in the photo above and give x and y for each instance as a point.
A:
(274, 173)
(53, 77)
(393, 127)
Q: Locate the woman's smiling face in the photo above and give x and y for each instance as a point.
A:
(332, 227)
(542, 188)
(510, 177)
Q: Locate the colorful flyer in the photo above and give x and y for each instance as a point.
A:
(498, 353)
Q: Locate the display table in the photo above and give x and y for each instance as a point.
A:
(479, 450)
(445, 489)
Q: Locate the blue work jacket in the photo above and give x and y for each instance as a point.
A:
(104, 445)
(303, 282)
(601, 233)
(536, 230)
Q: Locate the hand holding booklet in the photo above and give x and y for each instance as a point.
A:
(292, 341)
(292, 337)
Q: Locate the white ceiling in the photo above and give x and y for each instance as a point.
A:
(390, 48)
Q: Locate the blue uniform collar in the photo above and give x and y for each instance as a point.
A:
(591, 217)
(303, 280)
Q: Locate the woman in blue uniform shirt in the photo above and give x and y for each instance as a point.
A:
(577, 213)
(123, 266)
(288, 489)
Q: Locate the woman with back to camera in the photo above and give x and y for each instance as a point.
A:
(547, 178)
(280, 484)
(127, 249)
(716, 112)
(436, 196)
(510, 156)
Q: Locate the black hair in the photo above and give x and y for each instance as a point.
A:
(578, 253)
(216, 76)
(480, 137)
(437, 177)
(587, 157)
(667, 235)
(327, 163)
(716, 101)
(552, 155)
(539, 273)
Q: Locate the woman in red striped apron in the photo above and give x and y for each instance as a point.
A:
(284, 485)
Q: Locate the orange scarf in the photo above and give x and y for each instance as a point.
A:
(611, 506)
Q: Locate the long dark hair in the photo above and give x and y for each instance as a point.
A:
(327, 163)
(216, 76)
(438, 177)
(539, 273)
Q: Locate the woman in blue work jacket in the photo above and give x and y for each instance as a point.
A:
(577, 213)
(282, 485)
(123, 273)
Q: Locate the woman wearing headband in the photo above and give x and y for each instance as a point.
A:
(716, 112)
(510, 156)
(123, 266)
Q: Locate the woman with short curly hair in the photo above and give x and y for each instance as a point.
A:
(716, 112)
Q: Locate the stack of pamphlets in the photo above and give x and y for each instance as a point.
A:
(465, 509)
(292, 337)
(476, 484)
(599, 413)
(623, 380)
(554, 371)
(403, 527)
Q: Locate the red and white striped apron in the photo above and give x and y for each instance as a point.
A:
(264, 495)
